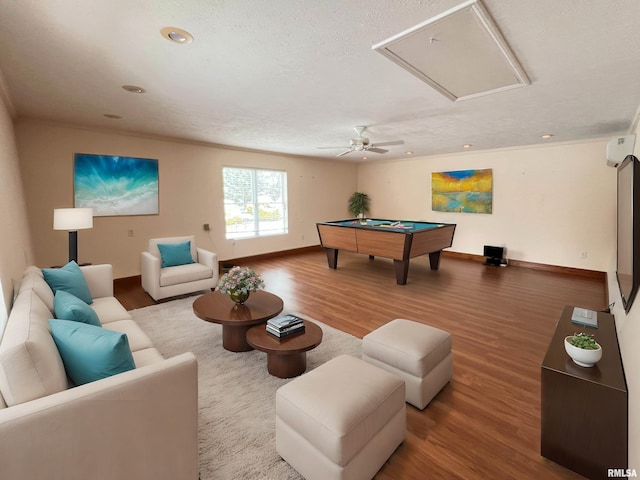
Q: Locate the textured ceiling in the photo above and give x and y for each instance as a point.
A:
(288, 76)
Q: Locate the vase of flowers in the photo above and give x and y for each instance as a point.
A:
(239, 282)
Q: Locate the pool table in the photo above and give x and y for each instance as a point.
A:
(399, 240)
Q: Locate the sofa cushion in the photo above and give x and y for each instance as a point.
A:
(174, 254)
(146, 356)
(138, 340)
(109, 309)
(34, 280)
(184, 274)
(70, 279)
(69, 307)
(30, 365)
(91, 353)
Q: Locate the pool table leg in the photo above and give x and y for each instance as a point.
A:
(332, 257)
(402, 271)
(434, 260)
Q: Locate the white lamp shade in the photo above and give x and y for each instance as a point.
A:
(72, 219)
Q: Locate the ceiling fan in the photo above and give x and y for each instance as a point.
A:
(362, 144)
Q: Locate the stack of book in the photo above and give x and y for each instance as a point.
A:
(285, 325)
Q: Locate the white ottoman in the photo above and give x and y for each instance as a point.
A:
(341, 421)
(418, 353)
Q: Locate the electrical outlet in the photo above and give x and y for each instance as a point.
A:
(206, 227)
(583, 255)
(130, 233)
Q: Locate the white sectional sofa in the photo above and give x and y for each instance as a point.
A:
(141, 424)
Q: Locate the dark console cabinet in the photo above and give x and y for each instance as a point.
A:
(584, 410)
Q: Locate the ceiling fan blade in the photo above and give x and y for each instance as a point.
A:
(385, 144)
(344, 153)
(377, 150)
(332, 147)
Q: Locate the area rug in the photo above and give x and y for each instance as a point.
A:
(236, 393)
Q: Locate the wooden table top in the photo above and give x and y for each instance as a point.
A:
(260, 339)
(609, 371)
(217, 307)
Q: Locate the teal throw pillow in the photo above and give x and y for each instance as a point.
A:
(68, 279)
(174, 254)
(69, 307)
(90, 353)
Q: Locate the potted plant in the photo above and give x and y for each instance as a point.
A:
(359, 205)
(583, 349)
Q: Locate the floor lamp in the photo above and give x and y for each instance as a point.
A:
(72, 220)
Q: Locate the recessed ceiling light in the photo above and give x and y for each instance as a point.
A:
(134, 89)
(546, 135)
(467, 145)
(112, 116)
(365, 158)
(176, 35)
(409, 152)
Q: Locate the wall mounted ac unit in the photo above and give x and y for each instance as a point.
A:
(618, 148)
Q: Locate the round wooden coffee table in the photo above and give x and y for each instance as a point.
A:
(236, 319)
(286, 357)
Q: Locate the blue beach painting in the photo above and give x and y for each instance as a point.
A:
(114, 185)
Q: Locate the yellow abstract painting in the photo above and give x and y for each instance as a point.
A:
(469, 191)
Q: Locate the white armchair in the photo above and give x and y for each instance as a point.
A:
(170, 281)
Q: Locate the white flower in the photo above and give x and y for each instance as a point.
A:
(240, 280)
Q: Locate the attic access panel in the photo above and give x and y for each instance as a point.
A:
(460, 53)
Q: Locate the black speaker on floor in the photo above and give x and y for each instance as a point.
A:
(495, 256)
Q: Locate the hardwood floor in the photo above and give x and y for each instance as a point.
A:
(486, 423)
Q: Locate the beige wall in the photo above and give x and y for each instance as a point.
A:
(550, 203)
(628, 326)
(190, 195)
(15, 243)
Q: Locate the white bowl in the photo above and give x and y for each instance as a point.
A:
(582, 357)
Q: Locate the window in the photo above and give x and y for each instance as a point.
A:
(255, 202)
